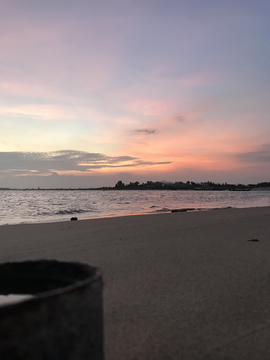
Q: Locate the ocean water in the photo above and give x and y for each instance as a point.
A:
(27, 206)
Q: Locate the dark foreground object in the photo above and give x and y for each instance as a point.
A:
(63, 320)
(182, 210)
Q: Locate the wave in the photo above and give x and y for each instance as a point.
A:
(190, 209)
(43, 213)
(176, 210)
(63, 212)
(201, 209)
(70, 212)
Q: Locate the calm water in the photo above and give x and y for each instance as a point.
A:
(18, 206)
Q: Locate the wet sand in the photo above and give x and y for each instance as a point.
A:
(177, 285)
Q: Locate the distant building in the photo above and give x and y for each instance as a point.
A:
(207, 185)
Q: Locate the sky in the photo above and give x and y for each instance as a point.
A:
(95, 91)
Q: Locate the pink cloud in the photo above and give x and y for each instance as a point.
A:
(203, 145)
(43, 112)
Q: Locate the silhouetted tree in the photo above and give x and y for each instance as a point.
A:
(119, 184)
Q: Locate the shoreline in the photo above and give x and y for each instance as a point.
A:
(190, 285)
(49, 221)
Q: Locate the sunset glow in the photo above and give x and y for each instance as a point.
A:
(95, 92)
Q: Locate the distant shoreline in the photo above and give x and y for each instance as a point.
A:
(164, 185)
(126, 189)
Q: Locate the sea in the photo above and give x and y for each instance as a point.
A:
(33, 206)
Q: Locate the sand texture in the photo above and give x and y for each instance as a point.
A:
(177, 285)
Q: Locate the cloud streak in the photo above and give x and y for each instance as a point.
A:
(260, 155)
(39, 163)
(145, 131)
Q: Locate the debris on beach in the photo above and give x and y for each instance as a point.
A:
(182, 210)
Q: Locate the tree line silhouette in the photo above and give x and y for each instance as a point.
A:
(189, 185)
(166, 185)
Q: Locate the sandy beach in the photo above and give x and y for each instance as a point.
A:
(176, 286)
